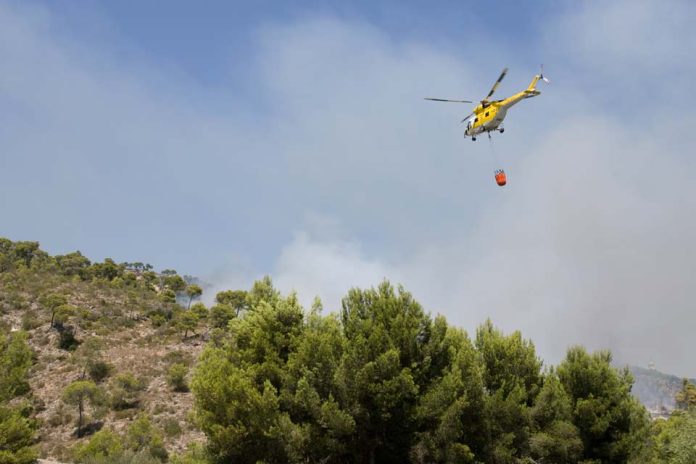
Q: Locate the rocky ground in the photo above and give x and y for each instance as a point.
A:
(142, 350)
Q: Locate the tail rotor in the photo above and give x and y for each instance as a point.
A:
(541, 75)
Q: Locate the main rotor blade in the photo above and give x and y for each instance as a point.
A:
(443, 100)
(497, 83)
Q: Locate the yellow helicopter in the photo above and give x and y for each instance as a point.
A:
(488, 115)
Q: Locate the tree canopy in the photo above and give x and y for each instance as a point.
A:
(383, 381)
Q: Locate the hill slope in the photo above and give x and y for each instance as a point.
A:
(656, 390)
(112, 324)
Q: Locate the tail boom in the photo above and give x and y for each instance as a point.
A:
(529, 92)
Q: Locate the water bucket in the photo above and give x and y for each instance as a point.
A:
(500, 178)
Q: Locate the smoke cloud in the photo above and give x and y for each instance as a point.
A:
(336, 173)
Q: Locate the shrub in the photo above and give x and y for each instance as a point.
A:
(67, 340)
(30, 320)
(103, 444)
(126, 391)
(61, 416)
(125, 457)
(157, 320)
(195, 454)
(16, 437)
(99, 370)
(171, 427)
(143, 436)
(176, 377)
(15, 361)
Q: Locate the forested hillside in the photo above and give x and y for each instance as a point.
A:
(114, 363)
(656, 390)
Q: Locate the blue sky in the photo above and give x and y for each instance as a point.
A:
(232, 140)
(201, 40)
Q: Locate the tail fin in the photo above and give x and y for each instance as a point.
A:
(532, 85)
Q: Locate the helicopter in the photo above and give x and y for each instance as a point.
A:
(488, 115)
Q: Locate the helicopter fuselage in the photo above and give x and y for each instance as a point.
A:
(488, 116)
(485, 119)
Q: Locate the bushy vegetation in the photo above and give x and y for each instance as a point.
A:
(125, 391)
(76, 306)
(385, 382)
(16, 436)
(380, 381)
(15, 361)
(17, 429)
(176, 377)
(55, 280)
(141, 444)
